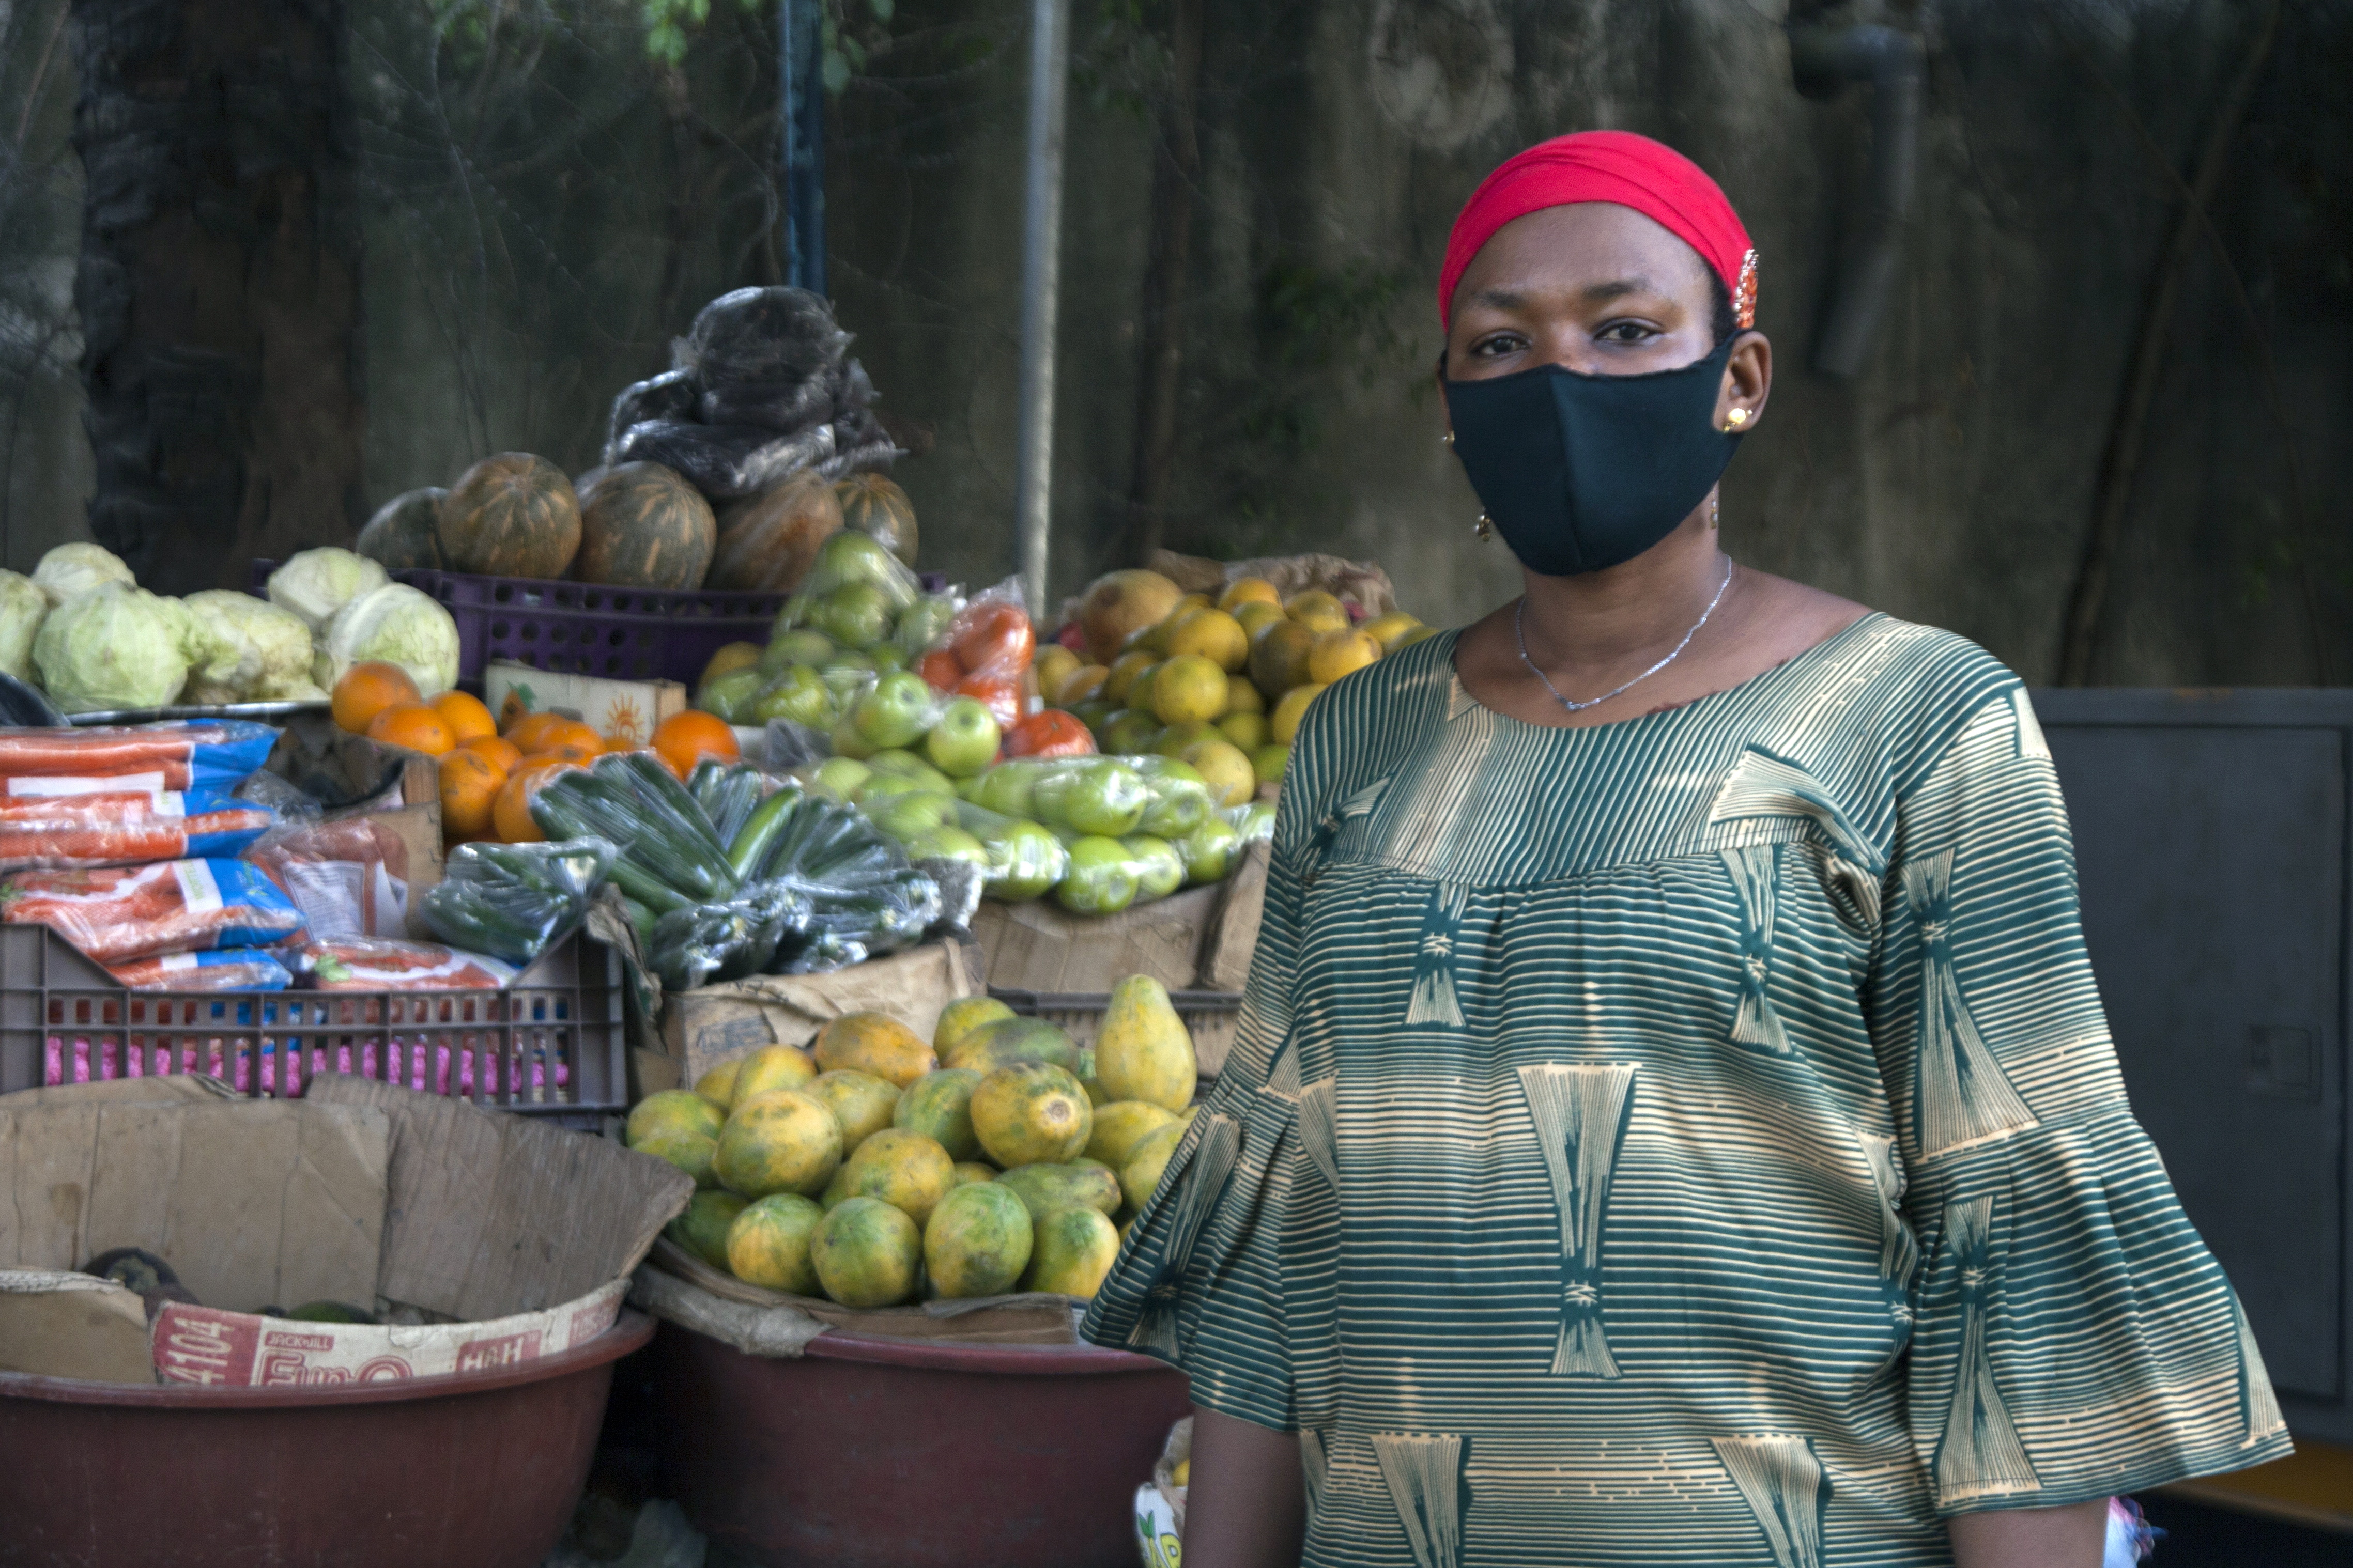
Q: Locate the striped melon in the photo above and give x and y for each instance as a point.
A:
(641, 526)
(513, 515)
(872, 504)
(405, 531)
(768, 542)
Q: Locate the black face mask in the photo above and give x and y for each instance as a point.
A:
(1580, 472)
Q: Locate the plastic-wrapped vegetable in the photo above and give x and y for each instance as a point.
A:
(125, 828)
(854, 592)
(511, 901)
(762, 335)
(1103, 796)
(386, 964)
(724, 461)
(1253, 820)
(177, 753)
(141, 912)
(702, 942)
(1179, 800)
(669, 396)
(727, 793)
(886, 910)
(228, 969)
(785, 405)
(1104, 876)
(670, 856)
(1025, 858)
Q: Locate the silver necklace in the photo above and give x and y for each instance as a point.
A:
(1520, 628)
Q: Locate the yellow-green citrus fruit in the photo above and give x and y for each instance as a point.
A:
(768, 1245)
(1419, 634)
(1146, 1161)
(873, 1043)
(1248, 590)
(905, 1170)
(1229, 774)
(964, 1016)
(1123, 671)
(1278, 653)
(861, 1102)
(1053, 664)
(1283, 725)
(977, 1241)
(1083, 684)
(939, 1105)
(1215, 635)
(1271, 762)
(1071, 1251)
(1389, 630)
(1031, 1113)
(674, 1111)
(866, 1253)
(1246, 731)
(1242, 697)
(1318, 611)
(1340, 653)
(1121, 1126)
(780, 1141)
(718, 1085)
(1256, 616)
(772, 1068)
(702, 1228)
(689, 1152)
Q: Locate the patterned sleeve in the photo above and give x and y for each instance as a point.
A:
(1227, 1268)
(2072, 1337)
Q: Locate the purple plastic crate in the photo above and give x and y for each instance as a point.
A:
(586, 628)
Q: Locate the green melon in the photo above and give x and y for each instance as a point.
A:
(641, 526)
(513, 515)
(405, 531)
(873, 505)
(768, 542)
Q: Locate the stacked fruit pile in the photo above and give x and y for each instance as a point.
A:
(878, 1170)
(1220, 684)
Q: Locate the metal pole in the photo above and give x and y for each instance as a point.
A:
(1042, 244)
(800, 114)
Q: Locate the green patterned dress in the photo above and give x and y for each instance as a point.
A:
(1694, 1140)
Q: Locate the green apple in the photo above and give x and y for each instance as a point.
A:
(1098, 796)
(907, 814)
(1207, 850)
(1024, 860)
(846, 675)
(856, 615)
(850, 557)
(1180, 796)
(803, 644)
(896, 711)
(1159, 868)
(879, 787)
(1101, 877)
(727, 696)
(1254, 821)
(839, 777)
(887, 656)
(848, 741)
(1268, 762)
(1007, 788)
(923, 623)
(1129, 732)
(907, 764)
(964, 739)
(1094, 713)
(949, 843)
(797, 693)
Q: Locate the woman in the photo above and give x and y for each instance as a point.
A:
(1672, 1120)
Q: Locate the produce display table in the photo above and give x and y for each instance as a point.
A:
(872, 1453)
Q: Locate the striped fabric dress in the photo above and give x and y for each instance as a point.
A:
(1693, 1140)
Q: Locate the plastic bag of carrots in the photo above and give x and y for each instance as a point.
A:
(145, 912)
(181, 753)
(125, 828)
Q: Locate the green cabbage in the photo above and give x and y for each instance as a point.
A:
(396, 623)
(71, 570)
(316, 584)
(23, 606)
(244, 649)
(113, 647)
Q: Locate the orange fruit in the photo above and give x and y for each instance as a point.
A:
(562, 735)
(470, 783)
(510, 812)
(368, 690)
(570, 751)
(506, 754)
(411, 725)
(684, 738)
(530, 729)
(464, 713)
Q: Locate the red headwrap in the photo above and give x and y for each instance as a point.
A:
(1608, 166)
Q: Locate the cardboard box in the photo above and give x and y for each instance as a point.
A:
(1197, 940)
(617, 709)
(494, 1238)
(716, 1025)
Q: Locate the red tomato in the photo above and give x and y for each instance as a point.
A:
(1002, 693)
(1074, 638)
(993, 640)
(940, 669)
(1050, 733)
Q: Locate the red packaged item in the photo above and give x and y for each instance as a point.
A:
(366, 964)
(223, 969)
(349, 877)
(1050, 733)
(141, 912)
(992, 636)
(119, 828)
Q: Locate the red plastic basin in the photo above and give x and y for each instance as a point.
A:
(480, 1470)
(868, 1453)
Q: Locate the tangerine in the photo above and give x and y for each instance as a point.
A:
(684, 738)
(366, 689)
(510, 815)
(505, 754)
(412, 726)
(565, 732)
(464, 713)
(529, 729)
(470, 783)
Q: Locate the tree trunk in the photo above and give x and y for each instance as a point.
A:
(1176, 178)
(219, 283)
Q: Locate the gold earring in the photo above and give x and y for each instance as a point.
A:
(1483, 529)
(1447, 438)
(1736, 418)
(1714, 512)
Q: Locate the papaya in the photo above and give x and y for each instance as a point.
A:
(1120, 1126)
(1148, 1161)
(673, 1111)
(939, 1105)
(1071, 1251)
(874, 1043)
(771, 1068)
(512, 515)
(780, 1141)
(642, 526)
(702, 1228)
(1031, 1113)
(964, 1016)
(718, 1085)
(906, 1169)
(867, 1254)
(977, 1242)
(836, 1190)
(970, 1171)
(1045, 1188)
(1012, 1040)
(690, 1152)
(861, 1102)
(768, 1244)
(1144, 1052)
